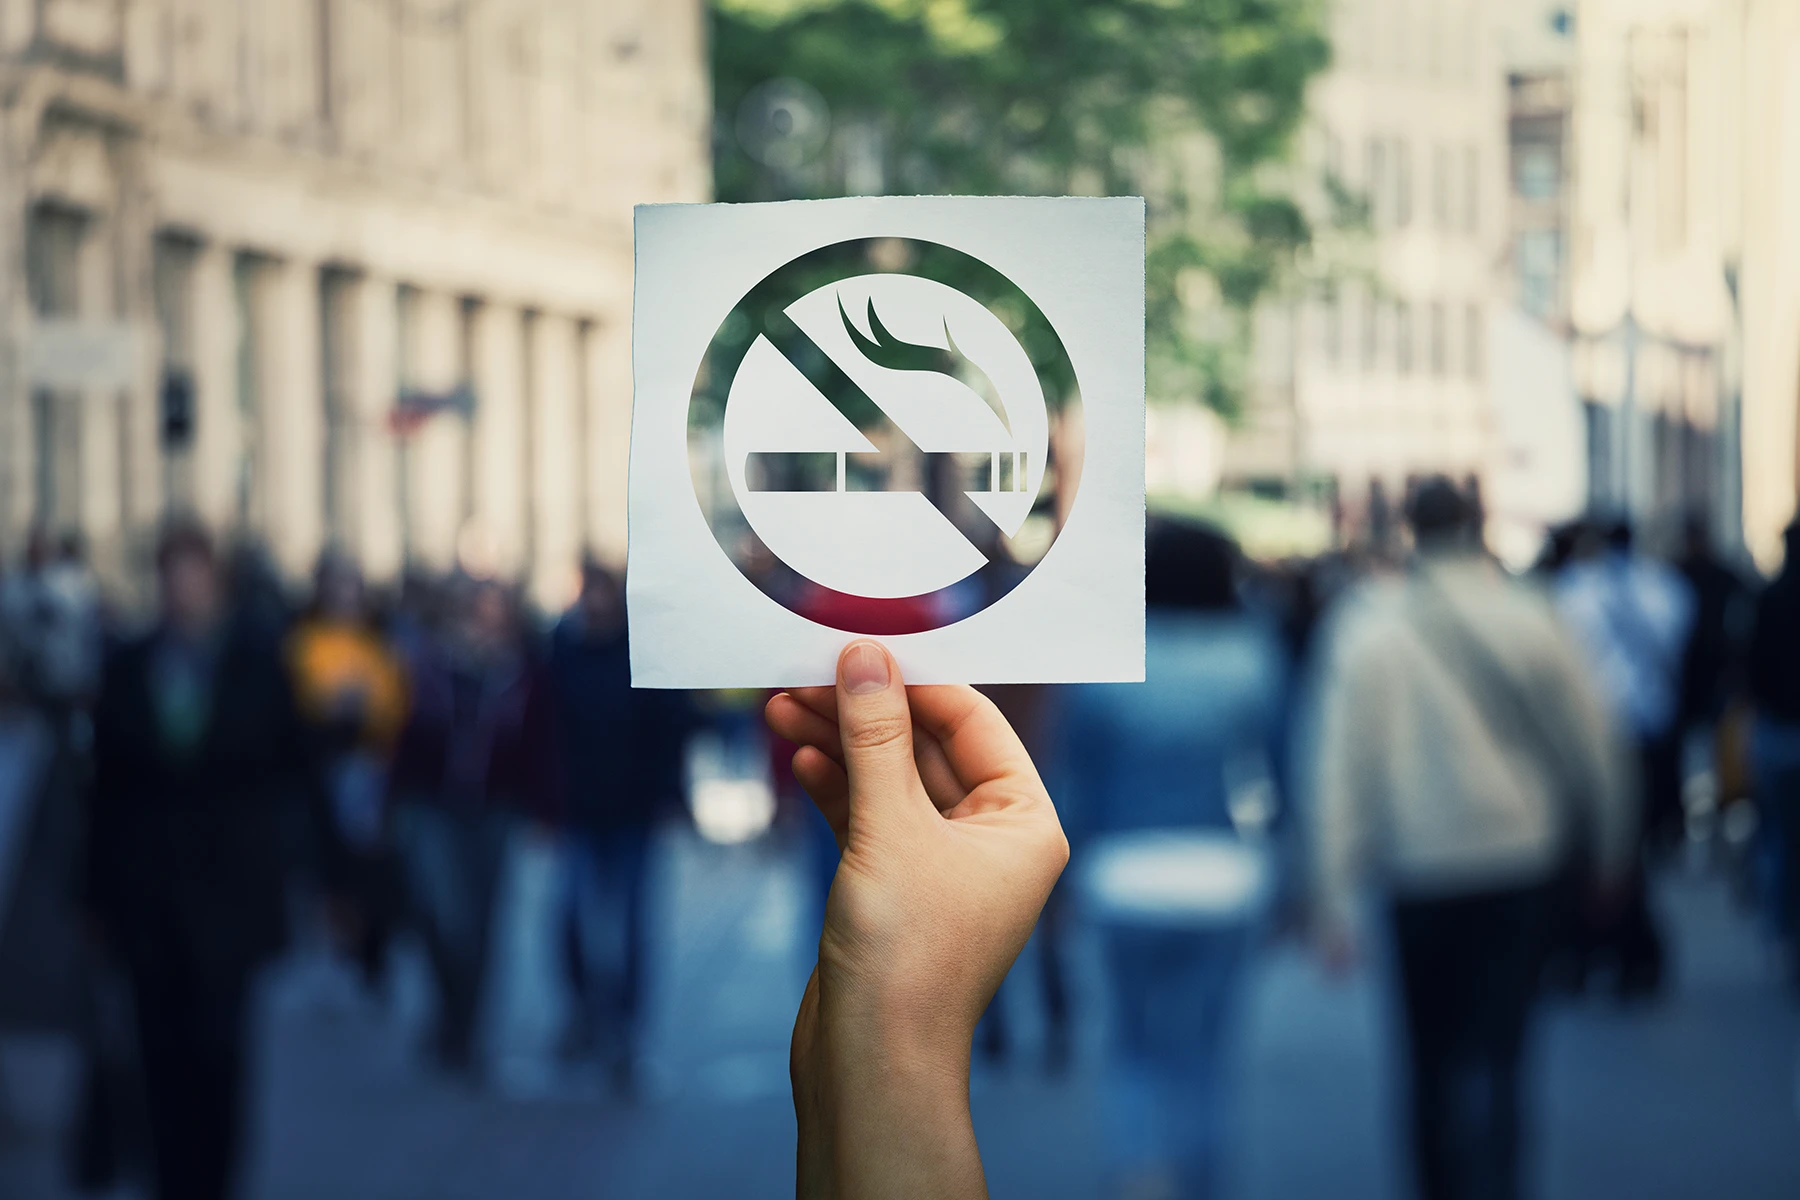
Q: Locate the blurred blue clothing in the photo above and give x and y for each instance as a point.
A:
(1174, 995)
(1631, 615)
(453, 862)
(596, 714)
(1164, 756)
(607, 899)
(1160, 754)
(621, 749)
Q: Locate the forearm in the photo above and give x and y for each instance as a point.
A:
(882, 1115)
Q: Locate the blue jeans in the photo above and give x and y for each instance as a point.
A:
(452, 862)
(1173, 993)
(1775, 753)
(607, 886)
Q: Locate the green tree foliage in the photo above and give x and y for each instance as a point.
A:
(1193, 103)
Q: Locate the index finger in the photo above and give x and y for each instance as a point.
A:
(822, 700)
(979, 743)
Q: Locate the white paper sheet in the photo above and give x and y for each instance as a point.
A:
(870, 417)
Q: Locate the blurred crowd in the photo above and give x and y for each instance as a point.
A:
(240, 776)
(1400, 742)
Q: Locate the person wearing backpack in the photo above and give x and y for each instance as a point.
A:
(1463, 755)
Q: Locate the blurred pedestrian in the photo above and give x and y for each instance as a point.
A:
(52, 609)
(1463, 753)
(198, 752)
(1145, 790)
(621, 756)
(474, 761)
(352, 695)
(1631, 617)
(1712, 659)
(25, 760)
(1775, 693)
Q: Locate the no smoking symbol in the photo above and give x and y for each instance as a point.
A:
(872, 426)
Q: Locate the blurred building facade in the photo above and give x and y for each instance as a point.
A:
(1384, 372)
(1657, 212)
(235, 240)
(1686, 266)
(1539, 59)
(1767, 368)
(1539, 474)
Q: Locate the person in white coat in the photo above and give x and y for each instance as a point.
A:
(1463, 754)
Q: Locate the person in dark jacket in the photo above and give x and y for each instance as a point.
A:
(622, 760)
(1711, 668)
(198, 751)
(1775, 694)
(474, 762)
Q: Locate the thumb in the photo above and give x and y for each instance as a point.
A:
(875, 724)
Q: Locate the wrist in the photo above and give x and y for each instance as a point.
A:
(871, 1086)
(856, 1044)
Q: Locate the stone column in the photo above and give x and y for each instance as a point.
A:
(555, 456)
(18, 24)
(608, 435)
(99, 477)
(1770, 429)
(500, 495)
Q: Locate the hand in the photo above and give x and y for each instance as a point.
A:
(950, 847)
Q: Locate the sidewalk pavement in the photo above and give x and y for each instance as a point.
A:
(1694, 1096)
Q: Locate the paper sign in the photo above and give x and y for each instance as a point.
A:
(914, 418)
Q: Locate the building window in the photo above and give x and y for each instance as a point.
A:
(1403, 338)
(54, 239)
(1474, 341)
(406, 357)
(172, 280)
(1331, 320)
(1371, 331)
(1537, 260)
(406, 336)
(1376, 181)
(1440, 187)
(1471, 189)
(324, 31)
(584, 436)
(247, 276)
(1537, 172)
(1403, 183)
(1439, 335)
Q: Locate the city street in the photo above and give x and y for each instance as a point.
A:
(1693, 1097)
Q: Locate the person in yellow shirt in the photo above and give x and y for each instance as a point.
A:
(351, 691)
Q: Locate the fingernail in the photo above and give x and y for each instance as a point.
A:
(865, 669)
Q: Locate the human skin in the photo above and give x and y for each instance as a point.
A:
(950, 846)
